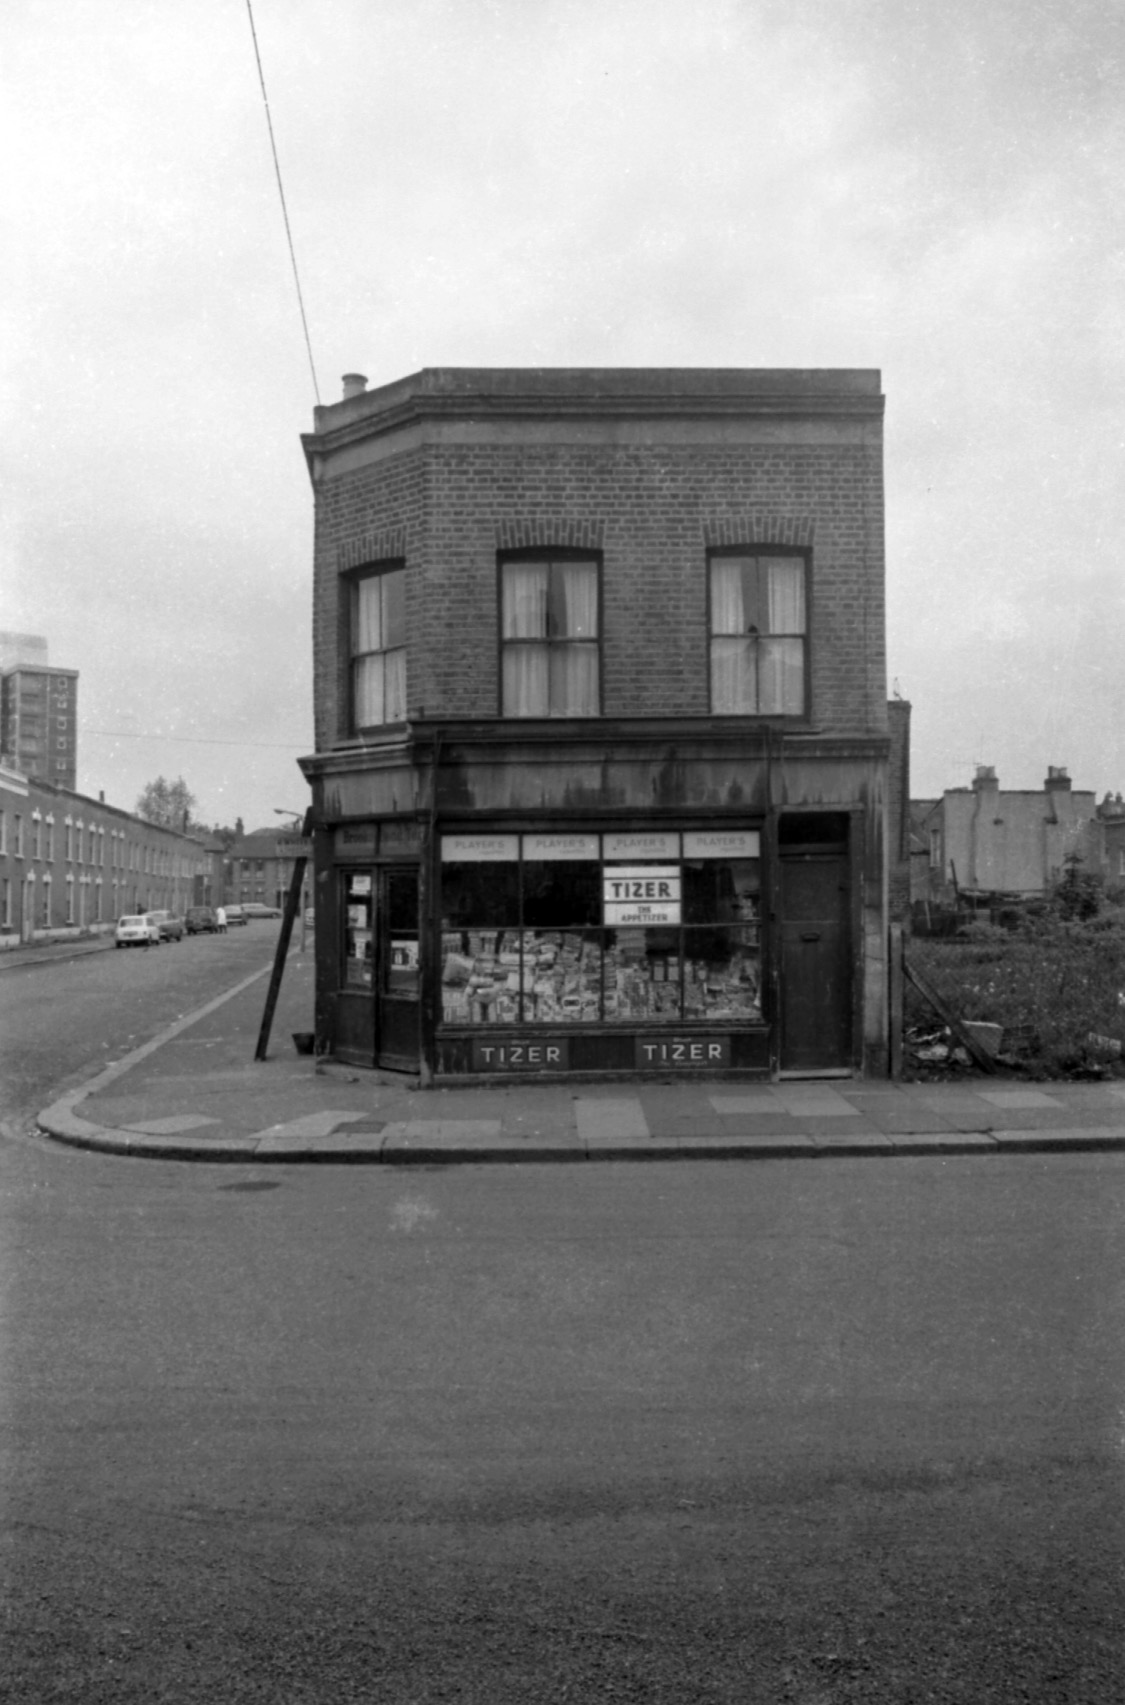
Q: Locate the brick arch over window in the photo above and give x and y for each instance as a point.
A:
(372, 547)
(758, 527)
(536, 533)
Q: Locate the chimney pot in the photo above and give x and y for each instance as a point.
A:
(354, 385)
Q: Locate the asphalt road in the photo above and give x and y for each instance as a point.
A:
(68, 1012)
(693, 1432)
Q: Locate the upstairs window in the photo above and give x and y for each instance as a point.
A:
(758, 635)
(378, 649)
(549, 627)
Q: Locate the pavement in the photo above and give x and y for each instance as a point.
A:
(195, 1092)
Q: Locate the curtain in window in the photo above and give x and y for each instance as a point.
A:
(367, 627)
(525, 680)
(786, 592)
(394, 685)
(726, 596)
(734, 677)
(579, 587)
(781, 670)
(368, 690)
(574, 680)
(525, 600)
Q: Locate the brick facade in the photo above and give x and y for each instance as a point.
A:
(653, 507)
(650, 470)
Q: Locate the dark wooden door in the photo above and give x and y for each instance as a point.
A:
(816, 973)
(398, 1034)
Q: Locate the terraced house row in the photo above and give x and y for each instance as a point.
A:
(70, 864)
(600, 780)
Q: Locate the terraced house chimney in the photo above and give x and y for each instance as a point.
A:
(1057, 779)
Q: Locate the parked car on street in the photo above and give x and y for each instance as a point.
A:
(138, 930)
(255, 909)
(235, 915)
(200, 920)
(171, 927)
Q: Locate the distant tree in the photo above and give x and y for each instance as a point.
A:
(1077, 895)
(169, 803)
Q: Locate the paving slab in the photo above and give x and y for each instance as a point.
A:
(472, 1139)
(610, 1117)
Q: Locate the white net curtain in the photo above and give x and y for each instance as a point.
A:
(378, 651)
(550, 632)
(758, 628)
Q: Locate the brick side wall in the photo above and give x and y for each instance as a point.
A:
(898, 808)
(652, 510)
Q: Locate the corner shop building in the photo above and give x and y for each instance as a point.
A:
(601, 742)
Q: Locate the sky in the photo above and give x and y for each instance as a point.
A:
(930, 190)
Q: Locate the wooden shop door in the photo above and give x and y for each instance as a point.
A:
(816, 972)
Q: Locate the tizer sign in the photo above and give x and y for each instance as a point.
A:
(641, 893)
(658, 1053)
(521, 1056)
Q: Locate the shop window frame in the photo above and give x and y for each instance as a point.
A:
(745, 936)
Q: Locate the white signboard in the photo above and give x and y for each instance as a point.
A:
(552, 847)
(635, 895)
(722, 843)
(479, 849)
(657, 843)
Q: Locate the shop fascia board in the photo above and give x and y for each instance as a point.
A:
(561, 743)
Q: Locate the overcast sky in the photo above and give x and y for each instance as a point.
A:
(930, 189)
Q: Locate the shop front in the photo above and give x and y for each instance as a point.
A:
(463, 946)
(593, 949)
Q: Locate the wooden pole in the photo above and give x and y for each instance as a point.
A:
(292, 903)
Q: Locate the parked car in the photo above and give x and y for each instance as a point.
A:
(255, 909)
(235, 915)
(138, 930)
(200, 920)
(171, 927)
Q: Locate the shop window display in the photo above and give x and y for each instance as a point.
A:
(359, 934)
(556, 940)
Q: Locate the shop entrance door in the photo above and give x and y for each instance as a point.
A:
(816, 973)
(397, 1029)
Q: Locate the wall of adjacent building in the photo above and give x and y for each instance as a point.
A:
(70, 864)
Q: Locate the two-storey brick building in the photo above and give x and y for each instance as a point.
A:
(601, 727)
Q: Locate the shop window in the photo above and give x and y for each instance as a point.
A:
(550, 929)
(378, 649)
(359, 931)
(549, 629)
(758, 635)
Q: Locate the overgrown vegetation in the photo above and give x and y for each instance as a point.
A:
(1055, 981)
